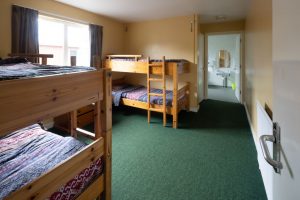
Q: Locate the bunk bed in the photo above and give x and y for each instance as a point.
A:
(32, 93)
(153, 68)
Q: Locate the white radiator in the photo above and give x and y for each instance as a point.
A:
(264, 127)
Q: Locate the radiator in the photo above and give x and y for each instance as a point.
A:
(265, 127)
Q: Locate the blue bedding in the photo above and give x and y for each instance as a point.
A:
(139, 93)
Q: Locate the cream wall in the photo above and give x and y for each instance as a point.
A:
(173, 38)
(258, 57)
(113, 31)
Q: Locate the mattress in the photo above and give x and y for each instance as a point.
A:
(16, 68)
(139, 93)
(29, 153)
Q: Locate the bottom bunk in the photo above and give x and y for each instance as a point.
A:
(136, 96)
(32, 153)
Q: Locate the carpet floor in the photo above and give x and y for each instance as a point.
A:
(210, 156)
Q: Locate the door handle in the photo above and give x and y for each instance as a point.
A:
(275, 139)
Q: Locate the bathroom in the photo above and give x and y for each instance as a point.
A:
(224, 63)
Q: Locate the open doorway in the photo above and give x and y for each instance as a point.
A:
(223, 67)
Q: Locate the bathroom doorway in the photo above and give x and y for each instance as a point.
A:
(223, 67)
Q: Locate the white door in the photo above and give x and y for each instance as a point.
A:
(286, 96)
(286, 99)
(237, 68)
(201, 87)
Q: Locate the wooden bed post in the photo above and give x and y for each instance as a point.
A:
(73, 123)
(97, 120)
(175, 92)
(187, 95)
(106, 111)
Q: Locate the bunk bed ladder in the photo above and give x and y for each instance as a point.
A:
(162, 79)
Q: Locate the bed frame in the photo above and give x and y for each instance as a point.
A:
(137, 65)
(32, 100)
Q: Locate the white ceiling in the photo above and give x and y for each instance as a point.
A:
(143, 10)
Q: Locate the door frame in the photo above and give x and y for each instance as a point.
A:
(242, 61)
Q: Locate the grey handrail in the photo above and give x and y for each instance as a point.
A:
(263, 143)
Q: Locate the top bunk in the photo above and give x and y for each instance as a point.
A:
(31, 93)
(138, 64)
(21, 68)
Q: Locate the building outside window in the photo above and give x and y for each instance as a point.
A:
(64, 39)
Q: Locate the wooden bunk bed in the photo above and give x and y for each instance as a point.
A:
(29, 100)
(171, 67)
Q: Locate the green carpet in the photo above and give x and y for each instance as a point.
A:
(211, 156)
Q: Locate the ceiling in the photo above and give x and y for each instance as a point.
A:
(143, 10)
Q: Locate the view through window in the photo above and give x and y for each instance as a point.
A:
(64, 39)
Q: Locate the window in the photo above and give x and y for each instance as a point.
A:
(64, 39)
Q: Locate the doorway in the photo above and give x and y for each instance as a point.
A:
(223, 67)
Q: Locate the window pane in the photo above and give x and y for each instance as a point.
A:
(51, 40)
(79, 44)
(64, 39)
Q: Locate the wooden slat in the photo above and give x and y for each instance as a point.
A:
(30, 55)
(140, 67)
(142, 105)
(156, 94)
(156, 79)
(175, 97)
(156, 109)
(97, 122)
(86, 133)
(73, 120)
(28, 101)
(50, 182)
(148, 90)
(155, 65)
(44, 57)
(164, 91)
(92, 192)
(73, 60)
(85, 109)
(124, 56)
(85, 119)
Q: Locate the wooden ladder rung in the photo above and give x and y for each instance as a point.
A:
(156, 110)
(155, 65)
(156, 94)
(156, 79)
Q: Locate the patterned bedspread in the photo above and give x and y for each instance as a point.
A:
(15, 69)
(139, 93)
(30, 152)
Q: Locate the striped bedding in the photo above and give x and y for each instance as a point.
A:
(30, 152)
(16, 68)
(139, 93)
